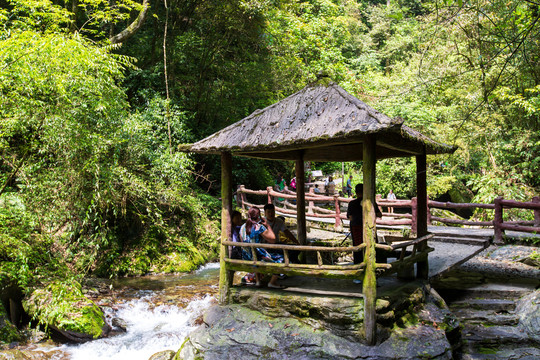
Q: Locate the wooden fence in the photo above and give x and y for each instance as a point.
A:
(284, 202)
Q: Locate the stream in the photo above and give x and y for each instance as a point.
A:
(158, 312)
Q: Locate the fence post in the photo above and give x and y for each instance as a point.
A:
(338, 213)
(240, 195)
(497, 221)
(311, 203)
(536, 200)
(268, 189)
(428, 212)
(414, 211)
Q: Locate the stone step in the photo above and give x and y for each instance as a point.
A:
(470, 352)
(494, 336)
(499, 305)
(486, 317)
(494, 291)
(484, 242)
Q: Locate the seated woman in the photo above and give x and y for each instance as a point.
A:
(236, 223)
(257, 230)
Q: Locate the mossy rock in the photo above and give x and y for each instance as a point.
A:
(63, 308)
(8, 331)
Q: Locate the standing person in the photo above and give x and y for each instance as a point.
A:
(280, 185)
(257, 230)
(354, 214)
(330, 186)
(348, 188)
(293, 183)
(391, 197)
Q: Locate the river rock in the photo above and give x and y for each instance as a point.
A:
(413, 323)
(236, 332)
(119, 324)
(163, 355)
(70, 316)
(528, 310)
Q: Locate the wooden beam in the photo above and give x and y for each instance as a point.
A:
(370, 238)
(225, 276)
(422, 268)
(300, 199)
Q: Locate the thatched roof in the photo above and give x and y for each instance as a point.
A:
(324, 122)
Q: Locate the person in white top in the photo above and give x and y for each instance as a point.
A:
(391, 197)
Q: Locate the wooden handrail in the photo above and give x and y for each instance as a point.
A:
(295, 247)
(498, 224)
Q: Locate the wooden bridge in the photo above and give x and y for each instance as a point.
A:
(332, 211)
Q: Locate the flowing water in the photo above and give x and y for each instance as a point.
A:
(158, 312)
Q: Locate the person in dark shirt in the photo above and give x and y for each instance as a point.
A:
(354, 214)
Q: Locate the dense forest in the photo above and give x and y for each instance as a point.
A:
(97, 95)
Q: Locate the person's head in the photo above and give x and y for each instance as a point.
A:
(390, 191)
(359, 189)
(253, 217)
(270, 212)
(330, 179)
(236, 218)
(350, 177)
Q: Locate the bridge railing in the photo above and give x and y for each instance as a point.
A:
(404, 259)
(285, 203)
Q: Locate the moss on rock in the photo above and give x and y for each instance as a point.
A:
(8, 331)
(63, 306)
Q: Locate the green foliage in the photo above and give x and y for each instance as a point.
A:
(62, 304)
(33, 15)
(398, 175)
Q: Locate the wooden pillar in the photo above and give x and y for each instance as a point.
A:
(300, 199)
(422, 267)
(225, 276)
(414, 213)
(497, 221)
(369, 238)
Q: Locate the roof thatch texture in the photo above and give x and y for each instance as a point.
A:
(325, 123)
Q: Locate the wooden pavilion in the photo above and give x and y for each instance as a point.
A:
(322, 122)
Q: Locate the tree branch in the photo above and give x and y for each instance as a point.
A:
(133, 27)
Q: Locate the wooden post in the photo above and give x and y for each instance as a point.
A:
(497, 221)
(414, 212)
(370, 238)
(536, 200)
(428, 212)
(300, 200)
(311, 203)
(225, 276)
(337, 225)
(422, 267)
(242, 196)
(268, 189)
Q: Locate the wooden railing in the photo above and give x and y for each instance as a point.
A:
(405, 259)
(334, 202)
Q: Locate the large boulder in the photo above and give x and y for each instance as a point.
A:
(64, 309)
(8, 331)
(528, 310)
(413, 323)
